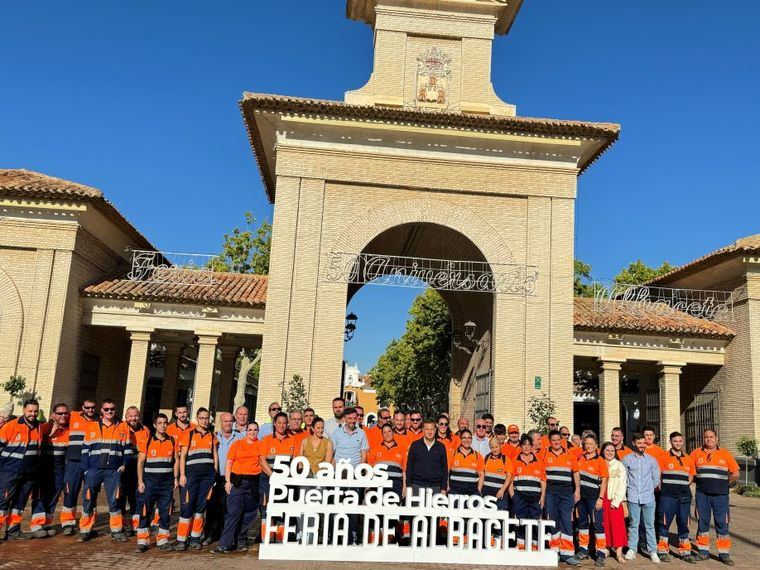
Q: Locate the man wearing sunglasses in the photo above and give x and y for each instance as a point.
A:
(55, 441)
(480, 441)
(416, 432)
(552, 424)
(268, 428)
(75, 464)
(107, 447)
(375, 433)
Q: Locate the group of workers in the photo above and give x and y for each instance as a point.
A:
(585, 488)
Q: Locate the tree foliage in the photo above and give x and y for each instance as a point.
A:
(295, 396)
(539, 409)
(582, 286)
(415, 370)
(245, 250)
(639, 272)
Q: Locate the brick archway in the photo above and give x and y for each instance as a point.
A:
(11, 325)
(371, 223)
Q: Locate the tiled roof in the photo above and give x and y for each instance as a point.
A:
(37, 185)
(24, 183)
(253, 102)
(226, 289)
(614, 317)
(747, 245)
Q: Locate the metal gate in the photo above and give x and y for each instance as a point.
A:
(702, 413)
(483, 393)
(652, 410)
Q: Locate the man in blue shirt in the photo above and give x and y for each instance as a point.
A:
(267, 428)
(226, 436)
(643, 478)
(350, 443)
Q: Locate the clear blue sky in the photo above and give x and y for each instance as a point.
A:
(140, 99)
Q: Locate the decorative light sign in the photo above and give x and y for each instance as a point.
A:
(313, 515)
(440, 274)
(173, 268)
(653, 300)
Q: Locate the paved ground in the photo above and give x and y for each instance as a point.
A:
(65, 552)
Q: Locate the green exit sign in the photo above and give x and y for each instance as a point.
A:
(537, 382)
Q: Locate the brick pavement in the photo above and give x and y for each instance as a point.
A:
(64, 552)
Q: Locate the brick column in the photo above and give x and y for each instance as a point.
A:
(226, 378)
(609, 397)
(138, 362)
(171, 374)
(204, 371)
(670, 399)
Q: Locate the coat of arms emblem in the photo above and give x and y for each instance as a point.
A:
(433, 79)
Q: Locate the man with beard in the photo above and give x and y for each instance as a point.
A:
(138, 435)
(75, 464)
(338, 406)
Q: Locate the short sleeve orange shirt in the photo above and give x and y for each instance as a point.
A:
(245, 455)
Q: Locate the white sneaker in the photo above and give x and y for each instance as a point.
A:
(630, 555)
(654, 557)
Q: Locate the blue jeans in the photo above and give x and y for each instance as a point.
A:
(644, 513)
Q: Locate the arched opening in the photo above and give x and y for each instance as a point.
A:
(416, 256)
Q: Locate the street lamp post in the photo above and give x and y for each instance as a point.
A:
(348, 334)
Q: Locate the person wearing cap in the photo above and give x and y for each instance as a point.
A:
(511, 447)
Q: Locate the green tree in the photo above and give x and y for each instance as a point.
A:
(414, 371)
(639, 272)
(245, 250)
(582, 286)
(539, 409)
(295, 397)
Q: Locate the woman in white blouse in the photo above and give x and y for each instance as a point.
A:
(614, 502)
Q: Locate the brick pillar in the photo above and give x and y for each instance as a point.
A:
(171, 374)
(226, 378)
(138, 362)
(204, 371)
(670, 399)
(609, 397)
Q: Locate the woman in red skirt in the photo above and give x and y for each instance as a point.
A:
(614, 502)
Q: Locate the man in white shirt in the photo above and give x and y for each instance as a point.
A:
(338, 406)
(480, 441)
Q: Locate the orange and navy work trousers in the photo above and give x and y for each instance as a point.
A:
(73, 476)
(559, 507)
(674, 508)
(93, 480)
(713, 506)
(588, 513)
(192, 504)
(158, 495)
(50, 489)
(15, 490)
